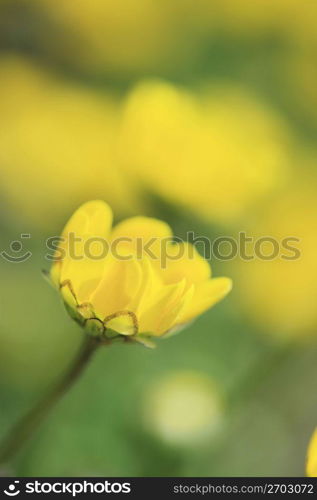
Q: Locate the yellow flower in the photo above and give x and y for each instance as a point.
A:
(311, 468)
(279, 293)
(191, 149)
(54, 129)
(109, 285)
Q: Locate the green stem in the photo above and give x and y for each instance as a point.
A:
(24, 428)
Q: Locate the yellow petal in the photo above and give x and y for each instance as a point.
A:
(311, 469)
(158, 317)
(86, 246)
(174, 324)
(140, 234)
(205, 296)
(120, 283)
(151, 285)
(183, 261)
(144, 227)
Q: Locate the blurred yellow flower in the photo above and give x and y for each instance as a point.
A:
(127, 292)
(56, 148)
(280, 294)
(311, 468)
(190, 394)
(215, 153)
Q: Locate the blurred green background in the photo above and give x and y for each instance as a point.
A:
(202, 113)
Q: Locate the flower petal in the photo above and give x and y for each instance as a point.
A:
(205, 296)
(158, 317)
(144, 227)
(85, 247)
(141, 235)
(119, 284)
(183, 261)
